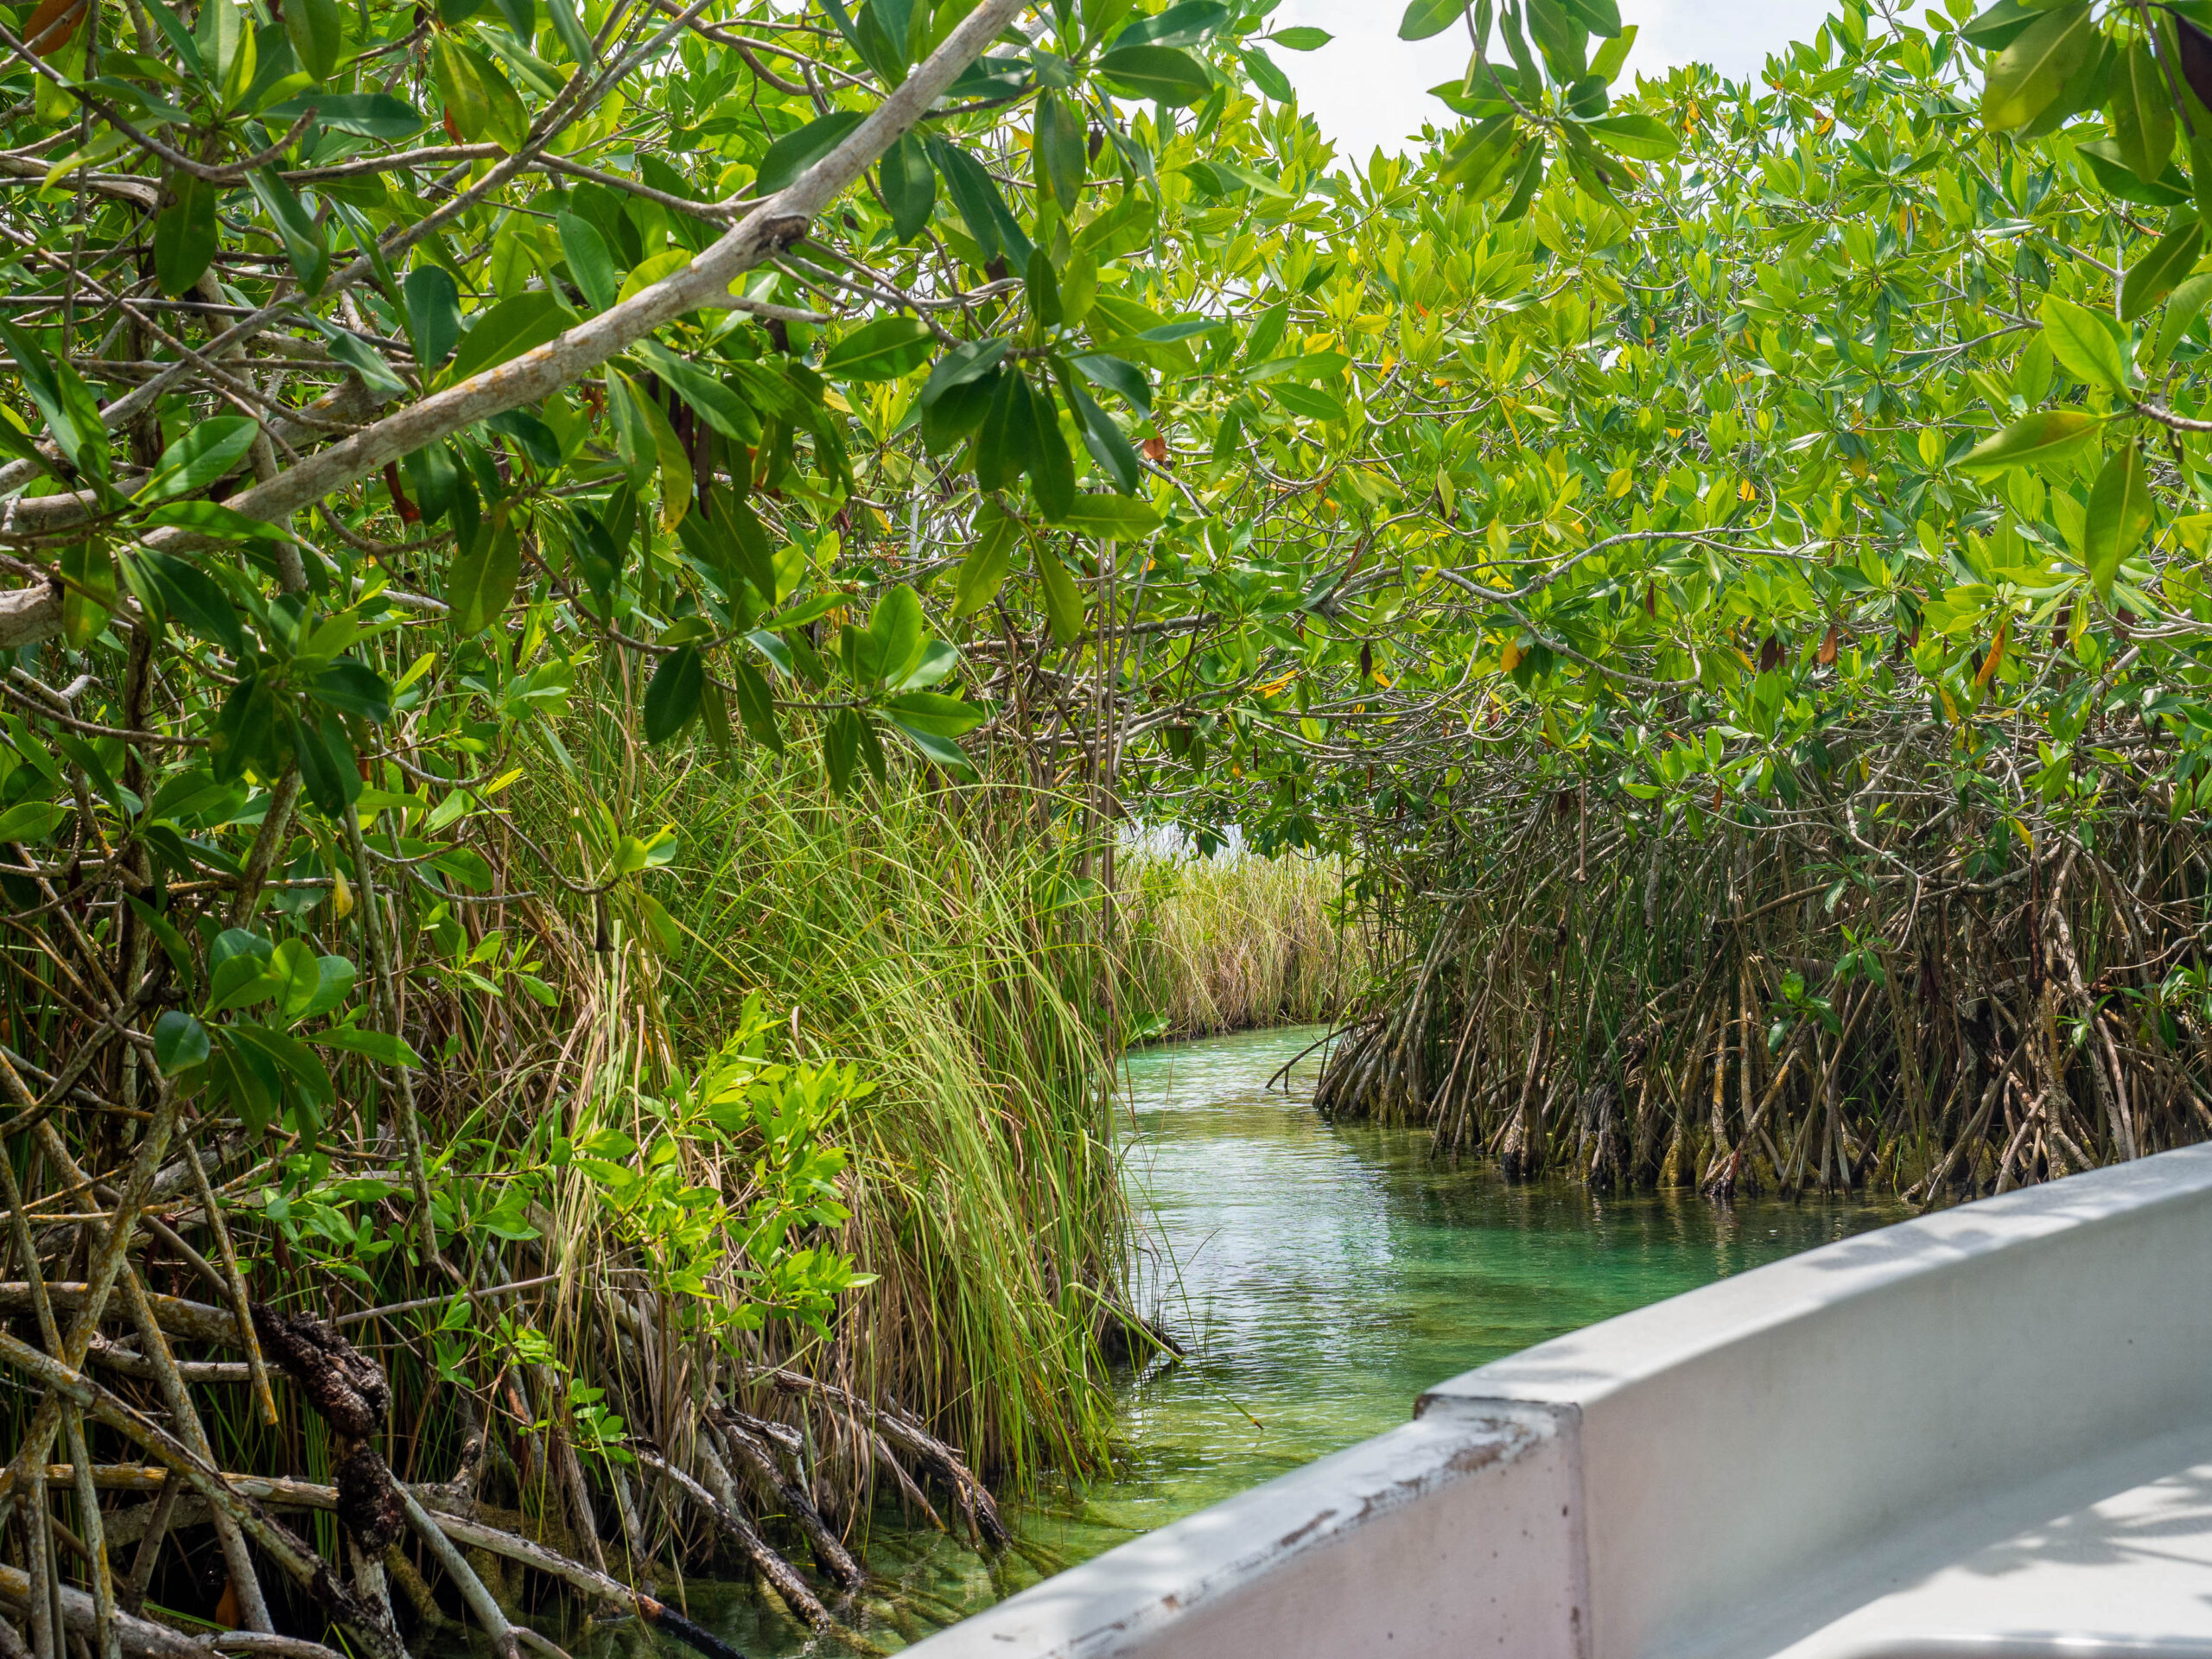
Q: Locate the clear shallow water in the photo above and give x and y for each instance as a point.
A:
(1321, 1276)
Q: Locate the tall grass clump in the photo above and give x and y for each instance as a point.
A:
(934, 939)
(1233, 942)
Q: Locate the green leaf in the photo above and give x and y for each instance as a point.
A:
(1059, 150)
(2120, 512)
(72, 413)
(239, 981)
(460, 87)
(31, 822)
(213, 519)
(1006, 445)
(245, 728)
(330, 770)
(88, 592)
(298, 973)
(841, 740)
(756, 706)
(673, 693)
(2042, 436)
(2087, 346)
(365, 115)
(180, 1043)
(235, 1077)
(792, 154)
(354, 688)
(1607, 65)
(2183, 306)
(756, 560)
(1111, 518)
(968, 361)
(221, 34)
(362, 358)
(1302, 38)
(932, 711)
(1124, 379)
(589, 263)
(1186, 23)
(1309, 402)
(464, 865)
(1160, 73)
(983, 572)
(511, 46)
(172, 941)
(1994, 30)
(1052, 471)
(2154, 276)
(301, 237)
(506, 117)
(1425, 17)
(2030, 72)
(317, 31)
(570, 28)
(909, 185)
(1042, 288)
(2143, 115)
(943, 750)
(337, 984)
(185, 234)
(210, 450)
(715, 404)
(482, 579)
(896, 629)
(191, 597)
(1265, 74)
(506, 331)
(2102, 156)
(1532, 175)
(1102, 435)
(885, 349)
(432, 313)
(975, 197)
(1639, 136)
(1062, 599)
(378, 1046)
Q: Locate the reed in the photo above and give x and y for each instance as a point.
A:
(1234, 941)
(924, 937)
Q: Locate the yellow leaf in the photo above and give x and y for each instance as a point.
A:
(1990, 662)
(1509, 658)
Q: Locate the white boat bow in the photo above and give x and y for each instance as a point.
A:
(1987, 1432)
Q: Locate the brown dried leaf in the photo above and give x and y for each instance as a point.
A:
(54, 25)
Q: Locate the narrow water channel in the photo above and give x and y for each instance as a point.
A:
(1321, 1277)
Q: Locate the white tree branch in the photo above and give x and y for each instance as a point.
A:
(31, 614)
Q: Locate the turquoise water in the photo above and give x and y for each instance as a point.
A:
(1321, 1276)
